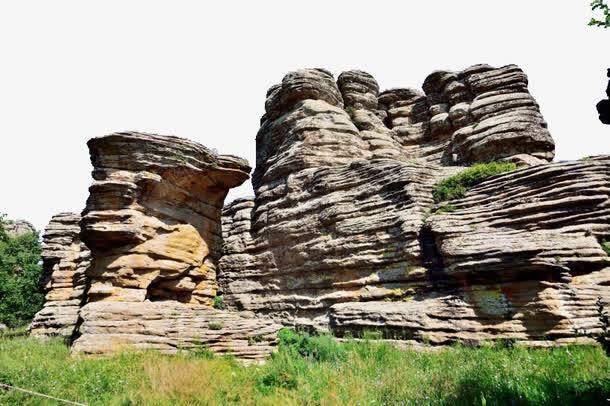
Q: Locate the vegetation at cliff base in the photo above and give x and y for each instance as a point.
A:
(309, 370)
(20, 273)
(456, 186)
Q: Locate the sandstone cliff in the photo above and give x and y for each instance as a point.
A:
(340, 235)
(343, 233)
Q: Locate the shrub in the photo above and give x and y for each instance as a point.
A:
(215, 326)
(606, 246)
(219, 303)
(455, 187)
(20, 273)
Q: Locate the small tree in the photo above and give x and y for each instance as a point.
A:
(20, 271)
(600, 5)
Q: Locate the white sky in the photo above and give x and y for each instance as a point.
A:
(71, 70)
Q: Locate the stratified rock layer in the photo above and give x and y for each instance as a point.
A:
(519, 258)
(152, 223)
(170, 327)
(341, 232)
(65, 259)
(152, 218)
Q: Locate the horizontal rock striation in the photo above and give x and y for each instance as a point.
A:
(521, 258)
(330, 235)
(152, 223)
(171, 326)
(65, 261)
(342, 234)
(152, 219)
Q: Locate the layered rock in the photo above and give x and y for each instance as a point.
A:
(341, 233)
(152, 222)
(328, 235)
(65, 259)
(519, 258)
(17, 228)
(152, 218)
(171, 326)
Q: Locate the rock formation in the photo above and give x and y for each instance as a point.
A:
(519, 258)
(343, 233)
(16, 228)
(603, 107)
(65, 260)
(341, 236)
(152, 227)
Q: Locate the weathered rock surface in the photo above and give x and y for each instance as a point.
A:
(3, 327)
(171, 326)
(65, 260)
(519, 258)
(147, 276)
(340, 233)
(16, 228)
(343, 233)
(152, 219)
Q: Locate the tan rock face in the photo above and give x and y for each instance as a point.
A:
(152, 224)
(341, 234)
(170, 327)
(152, 218)
(65, 260)
(520, 258)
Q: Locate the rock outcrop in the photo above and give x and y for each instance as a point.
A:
(519, 258)
(65, 259)
(152, 219)
(152, 223)
(170, 326)
(17, 228)
(343, 233)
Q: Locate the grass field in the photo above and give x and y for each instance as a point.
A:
(310, 371)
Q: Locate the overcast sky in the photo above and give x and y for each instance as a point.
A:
(72, 70)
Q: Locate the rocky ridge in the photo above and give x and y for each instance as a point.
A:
(343, 233)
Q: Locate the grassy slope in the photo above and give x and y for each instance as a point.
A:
(310, 371)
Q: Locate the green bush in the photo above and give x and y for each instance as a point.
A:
(606, 246)
(219, 302)
(20, 273)
(455, 187)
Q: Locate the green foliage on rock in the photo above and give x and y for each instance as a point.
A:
(309, 370)
(218, 302)
(20, 273)
(455, 187)
(603, 7)
(606, 246)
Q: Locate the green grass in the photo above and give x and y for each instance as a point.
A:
(455, 187)
(307, 371)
